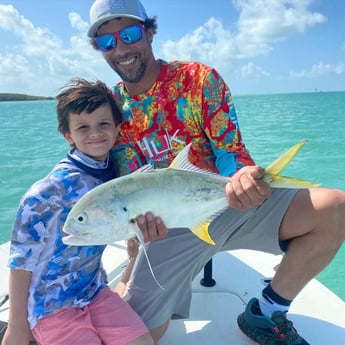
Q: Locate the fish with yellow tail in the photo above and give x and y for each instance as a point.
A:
(183, 195)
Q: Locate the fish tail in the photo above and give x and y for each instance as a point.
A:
(278, 181)
(273, 178)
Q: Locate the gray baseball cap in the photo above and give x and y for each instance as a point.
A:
(103, 10)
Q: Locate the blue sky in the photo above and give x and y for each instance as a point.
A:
(258, 46)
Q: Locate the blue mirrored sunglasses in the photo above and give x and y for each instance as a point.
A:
(127, 35)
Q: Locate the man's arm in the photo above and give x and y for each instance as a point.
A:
(220, 123)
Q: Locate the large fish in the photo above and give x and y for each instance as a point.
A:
(182, 195)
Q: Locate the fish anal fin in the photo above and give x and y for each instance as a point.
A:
(201, 230)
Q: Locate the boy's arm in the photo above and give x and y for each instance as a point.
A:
(18, 331)
(132, 250)
(121, 287)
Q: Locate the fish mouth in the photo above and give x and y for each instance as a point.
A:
(82, 239)
(80, 234)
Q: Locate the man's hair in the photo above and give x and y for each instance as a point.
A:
(149, 23)
(80, 95)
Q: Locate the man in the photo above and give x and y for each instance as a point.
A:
(165, 106)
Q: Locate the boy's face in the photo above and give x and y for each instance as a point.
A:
(93, 133)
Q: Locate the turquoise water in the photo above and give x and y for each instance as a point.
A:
(31, 145)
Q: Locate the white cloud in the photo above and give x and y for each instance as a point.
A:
(43, 56)
(318, 70)
(252, 72)
(9, 64)
(34, 41)
(269, 21)
(261, 23)
(46, 58)
(208, 43)
(77, 22)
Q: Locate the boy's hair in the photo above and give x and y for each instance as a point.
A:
(80, 95)
(149, 23)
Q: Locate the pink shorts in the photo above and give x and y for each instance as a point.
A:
(106, 320)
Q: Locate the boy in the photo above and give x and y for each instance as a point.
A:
(60, 292)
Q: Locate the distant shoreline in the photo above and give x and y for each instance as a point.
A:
(12, 97)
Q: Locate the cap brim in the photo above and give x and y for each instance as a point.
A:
(94, 27)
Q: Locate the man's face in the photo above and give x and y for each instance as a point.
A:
(129, 61)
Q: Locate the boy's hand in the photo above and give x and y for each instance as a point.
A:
(152, 227)
(18, 335)
(132, 248)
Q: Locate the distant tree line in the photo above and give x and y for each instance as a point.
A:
(21, 97)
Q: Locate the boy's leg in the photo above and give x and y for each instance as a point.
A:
(70, 326)
(116, 322)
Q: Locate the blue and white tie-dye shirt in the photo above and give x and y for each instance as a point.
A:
(62, 276)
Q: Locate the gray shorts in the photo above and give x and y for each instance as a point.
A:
(179, 257)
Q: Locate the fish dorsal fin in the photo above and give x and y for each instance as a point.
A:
(181, 162)
(144, 168)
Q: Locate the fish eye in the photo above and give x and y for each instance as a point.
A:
(125, 209)
(82, 218)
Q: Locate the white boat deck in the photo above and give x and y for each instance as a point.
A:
(317, 313)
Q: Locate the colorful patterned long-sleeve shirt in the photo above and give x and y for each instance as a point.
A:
(62, 276)
(189, 102)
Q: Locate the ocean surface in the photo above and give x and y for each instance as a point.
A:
(270, 124)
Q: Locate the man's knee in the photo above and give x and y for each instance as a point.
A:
(158, 332)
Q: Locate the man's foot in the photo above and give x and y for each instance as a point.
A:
(265, 331)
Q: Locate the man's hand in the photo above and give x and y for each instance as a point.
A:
(152, 227)
(247, 189)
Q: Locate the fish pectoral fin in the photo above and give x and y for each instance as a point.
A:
(201, 230)
(140, 237)
(277, 181)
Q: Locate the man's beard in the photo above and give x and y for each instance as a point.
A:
(133, 77)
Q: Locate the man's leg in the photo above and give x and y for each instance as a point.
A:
(157, 333)
(315, 225)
